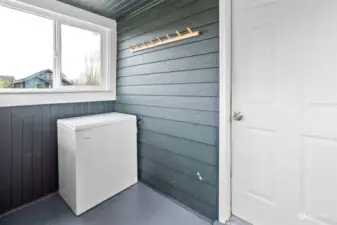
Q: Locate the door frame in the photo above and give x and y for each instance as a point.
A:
(225, 99)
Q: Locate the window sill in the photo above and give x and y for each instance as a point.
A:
(54, 97)
(50, 91)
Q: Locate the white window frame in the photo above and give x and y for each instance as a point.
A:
(68, 15)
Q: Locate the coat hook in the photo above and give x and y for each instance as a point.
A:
(169, 38)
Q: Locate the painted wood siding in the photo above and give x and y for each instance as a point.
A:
(28, 149)
(174, 89)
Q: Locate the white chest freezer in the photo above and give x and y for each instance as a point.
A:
(97, 158)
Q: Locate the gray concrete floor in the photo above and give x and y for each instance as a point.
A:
(237, 221)
(138, 205)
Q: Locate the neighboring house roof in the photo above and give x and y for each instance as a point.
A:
(41, 75)
(7, 78)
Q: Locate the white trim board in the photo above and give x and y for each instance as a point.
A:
(9, 100)
(225, 23)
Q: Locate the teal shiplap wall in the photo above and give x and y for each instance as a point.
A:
(28, 149)
(174, 89)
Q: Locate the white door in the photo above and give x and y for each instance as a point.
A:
(285, 86)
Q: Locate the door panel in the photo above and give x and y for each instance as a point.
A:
(285, 85)
(319, 180)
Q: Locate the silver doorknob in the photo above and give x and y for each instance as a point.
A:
(237, 116)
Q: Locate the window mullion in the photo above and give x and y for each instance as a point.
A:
(57, 54)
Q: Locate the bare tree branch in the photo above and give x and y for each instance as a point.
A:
(92, 73)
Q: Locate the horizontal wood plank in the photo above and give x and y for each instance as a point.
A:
(200, 89)
(190, 149)
(194, 132)
(152, 14)
(181, 77)
(176, 16)
(181, 196)
(174, 90)
(187, 116)
(189, 63)
(194, 169)
(199, 190)
(207, 32)
(179, 102)
(207, 17)
(188, 50)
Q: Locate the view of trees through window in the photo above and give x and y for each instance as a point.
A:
(87, 55)
(92, 74)
(27, 52)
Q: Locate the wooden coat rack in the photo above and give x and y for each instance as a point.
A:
(165, 40)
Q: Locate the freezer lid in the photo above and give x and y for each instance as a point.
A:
(99, 120)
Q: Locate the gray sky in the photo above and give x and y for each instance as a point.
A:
(26, 45)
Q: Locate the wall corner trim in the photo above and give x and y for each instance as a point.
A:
(225, 21)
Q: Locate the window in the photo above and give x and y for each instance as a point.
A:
(50, 47)
(81, 56)
(26, 48)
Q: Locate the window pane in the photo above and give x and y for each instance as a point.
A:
(26, 50)
(81, 57)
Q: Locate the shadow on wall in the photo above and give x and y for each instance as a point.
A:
(28, 153)
(174, 89)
